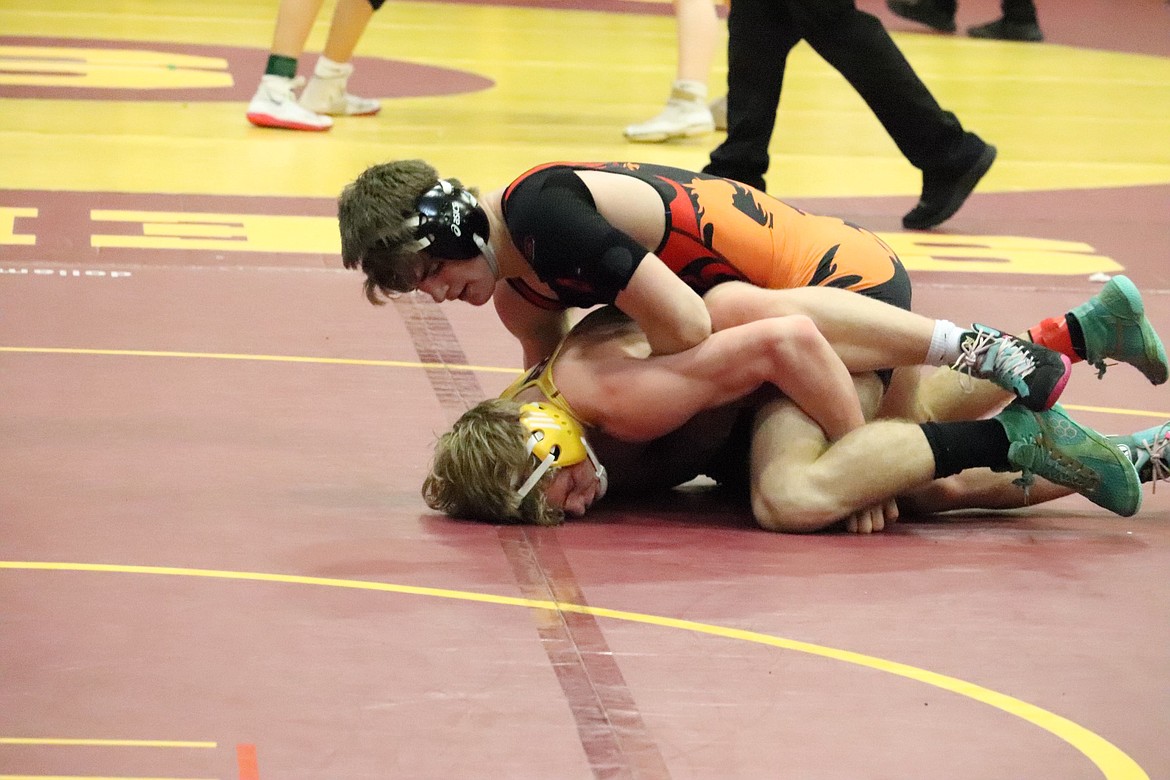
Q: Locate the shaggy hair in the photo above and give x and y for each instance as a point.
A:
(479, 464)
(371, 214)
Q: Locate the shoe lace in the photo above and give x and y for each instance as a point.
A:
(281, 91)
(1101, 365)
(1011, 360)
(1159, 452)
(1060, 469)
(1025, 482)
(971, 350)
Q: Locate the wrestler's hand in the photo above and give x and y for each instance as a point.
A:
(873, 519)
(574, 489)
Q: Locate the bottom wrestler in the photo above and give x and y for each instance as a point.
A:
(642, 420)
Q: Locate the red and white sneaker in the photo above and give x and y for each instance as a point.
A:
(275, 105)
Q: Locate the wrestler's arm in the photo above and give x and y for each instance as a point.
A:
(576, 249)
(538, 330)
(639, 399)
(671, 314)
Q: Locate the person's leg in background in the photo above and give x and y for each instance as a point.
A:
(326, 92)
(686, 113)
(951, 159)
(1019, 23)
(936, 14)
(275, 103)
(760, 34)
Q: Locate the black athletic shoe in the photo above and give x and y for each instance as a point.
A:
(1036, 375)
(923, 12)
(943, 193)
(1003, 30)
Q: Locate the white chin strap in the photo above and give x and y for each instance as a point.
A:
(550, 459)
(485, 248)
(544, 466)
(489, 254)
(598, 469)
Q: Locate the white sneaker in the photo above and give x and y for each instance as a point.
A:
(275, 105)
(683, 117)
(326, 92)
(719, 113)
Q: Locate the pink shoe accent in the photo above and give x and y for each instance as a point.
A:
(267, 120)
(1059, 388)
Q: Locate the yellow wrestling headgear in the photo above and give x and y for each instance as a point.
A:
(555, 438)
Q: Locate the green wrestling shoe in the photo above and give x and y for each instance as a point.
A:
(1115, 326)
(1149, 450)
(1051, 445)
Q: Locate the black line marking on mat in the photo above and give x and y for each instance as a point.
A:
(612, 732)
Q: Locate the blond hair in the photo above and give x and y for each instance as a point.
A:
(479, 464)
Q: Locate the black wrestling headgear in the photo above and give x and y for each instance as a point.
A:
(450, 220)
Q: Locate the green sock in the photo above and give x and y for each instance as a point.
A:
(281, 66)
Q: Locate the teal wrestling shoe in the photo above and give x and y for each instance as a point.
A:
(1149, 450)
(1052, 445)
(1116, 328)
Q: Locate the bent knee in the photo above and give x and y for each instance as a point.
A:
(794, 512)
(735, 303)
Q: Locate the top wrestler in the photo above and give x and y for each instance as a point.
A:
(652, 240)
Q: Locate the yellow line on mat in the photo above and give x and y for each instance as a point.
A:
(259, 358)
(1113, 763)
(1115, 410)
(403, 364)
(104, 742)
(92, 777)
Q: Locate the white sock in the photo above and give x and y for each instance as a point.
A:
(944, 343)
(328, 69)
(696, 90)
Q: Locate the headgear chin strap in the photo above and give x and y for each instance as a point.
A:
(555, 439)
(451, 225)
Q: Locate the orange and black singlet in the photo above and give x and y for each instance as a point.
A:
(716, 230)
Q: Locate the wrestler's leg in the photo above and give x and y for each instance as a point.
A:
(901, 401)
(799, 483)
(1111, 325)
(945, 395)
(977, 489)
(868, 334)
(938, 395)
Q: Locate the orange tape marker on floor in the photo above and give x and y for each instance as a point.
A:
(246, 760)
